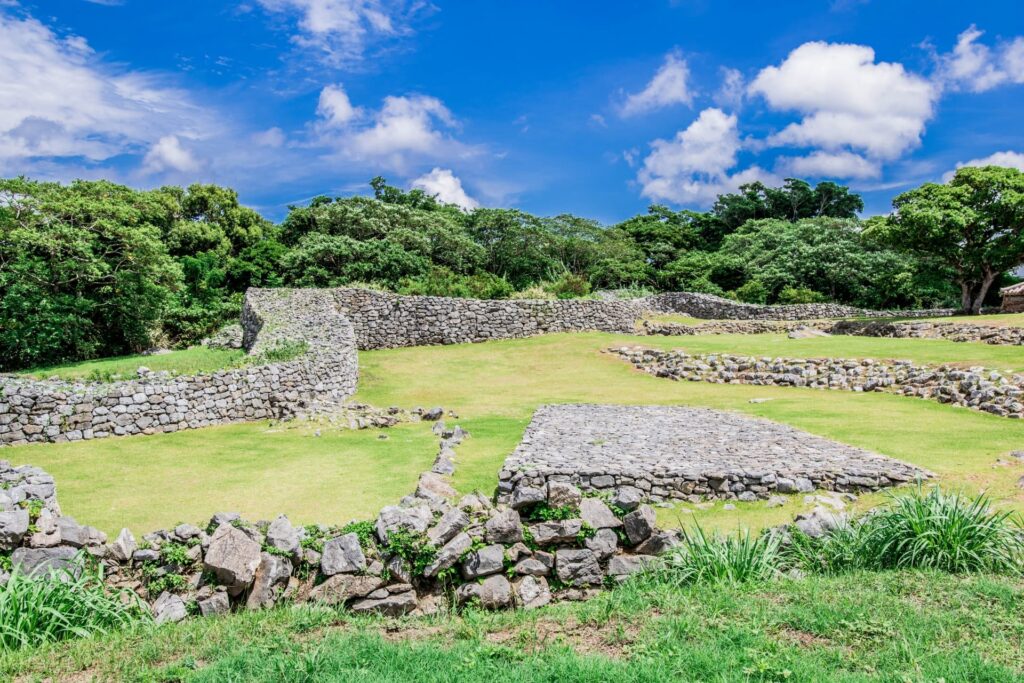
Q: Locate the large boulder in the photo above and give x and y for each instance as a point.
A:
(558, 531)
(640, 524)
(627, 498)
(169, 608)
(487, 560)
(41, 561)
(342, 555)
(218, 603)
(563, 494)
(390, 605)
(281, 535)
(270, 581)
(340, 588)
(416, 519)
(533, 591)
(577, 567)
(525, 496)
(494, 592)
(233, 558)
(504, 527)
(448, 527)
(448, 555)
(594, 512)
(603, 543)
(622, 566)
(13, 527)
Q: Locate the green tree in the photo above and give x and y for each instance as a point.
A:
(974, 225)
(83, 270)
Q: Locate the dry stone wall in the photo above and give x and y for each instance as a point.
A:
(712, 307)
(383, 320)
(978, 388)
(318, 379)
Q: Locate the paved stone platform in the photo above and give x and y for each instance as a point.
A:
(671, 452)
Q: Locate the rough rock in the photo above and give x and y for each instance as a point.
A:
(169, 608)
(233, 558)
(269, 582)
(342, 555)
(627, 498)
(341, 588)
(391, 605)
(594, 512)
(123, 546)
(448, 527)
(639, 524)
(488, 560)
(603, 544)
(622, 566)
(218, 603)
(558, 531)
(449, 554)
(41, 561)
(577, 567)
(282, 536)
(562, 494)
(504, 527)
(414, 519)
(13, 527)
(533, 591)
(494, 592)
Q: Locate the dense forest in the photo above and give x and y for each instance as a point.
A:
(92, 268)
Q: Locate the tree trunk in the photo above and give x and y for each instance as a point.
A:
(966, 296)
(982, 291)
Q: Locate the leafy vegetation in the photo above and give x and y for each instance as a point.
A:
(93, 269)
(711, 558)
(72, 603)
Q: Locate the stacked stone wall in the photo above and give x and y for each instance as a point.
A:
(712, 307)
(318, 379)
(382, 320)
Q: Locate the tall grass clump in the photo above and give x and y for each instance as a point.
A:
(704, 558)
(71, 603)
(921, 530)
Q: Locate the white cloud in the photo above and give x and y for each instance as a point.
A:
(821, 164)
(334, 106)
(693, 167)
(847, 99)
(442, 183)
(60, 102)
(730, 93)
(669, 86)
(168, 154)
(406, 129)
(271, 137)
(340, 31)
(976, 67)
(1005, 158)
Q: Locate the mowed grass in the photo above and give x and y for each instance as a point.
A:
(257, 469)
(182, 362)
(885, 626)
(994, 319)
(496, 386)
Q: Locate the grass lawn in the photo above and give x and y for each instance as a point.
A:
(153, 481)
(181, 362)
(887, 626)
(994, 319)
(256, 469)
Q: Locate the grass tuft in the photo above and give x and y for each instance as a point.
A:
(715, 558)
(66, 604)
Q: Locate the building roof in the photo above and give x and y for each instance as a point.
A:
(1012, 289)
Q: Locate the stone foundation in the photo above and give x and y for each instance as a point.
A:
(667, 452)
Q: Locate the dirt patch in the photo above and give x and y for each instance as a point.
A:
(612, 639)
(802, 638)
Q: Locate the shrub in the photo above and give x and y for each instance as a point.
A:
(800, 295)
(752, 292)
(922, 530)
(715, 558)
(65, 605)
(569, 286)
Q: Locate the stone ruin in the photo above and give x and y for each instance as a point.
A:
(668, 452)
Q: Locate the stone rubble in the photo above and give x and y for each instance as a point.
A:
(977, 387)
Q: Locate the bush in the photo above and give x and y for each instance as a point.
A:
(800, 295)
(568, 286)
(923, 530)
(741, 558)
(752, 292)
(65, 605)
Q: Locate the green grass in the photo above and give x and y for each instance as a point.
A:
(863, 626)
(183, 362)
(995, 319)
(677, 318)
(257, 469)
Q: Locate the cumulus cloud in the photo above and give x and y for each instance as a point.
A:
(60, 102)
(340, 31)
(976, 67)
(168, 154)
(847, 100)
(694, 166)
(669, 86)
(334, 107)
(1005, 158)
(821, 164)
(406, 129)
(443, 184)
(730, 93)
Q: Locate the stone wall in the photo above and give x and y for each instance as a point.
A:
(950, 331)
(323, 374)
(383, 320)
(712, 307)
(978, 388)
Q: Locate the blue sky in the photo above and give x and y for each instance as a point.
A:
(594, 108)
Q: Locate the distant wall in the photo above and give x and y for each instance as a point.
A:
(35, 411)
(712, 307)
(382, 320)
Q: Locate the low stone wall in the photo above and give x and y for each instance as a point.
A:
(977, 388)
(957, 332)
(324, 373)
(433, 551)
(652, 327)
(382, 320)
(712, 307)
(670, 452)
